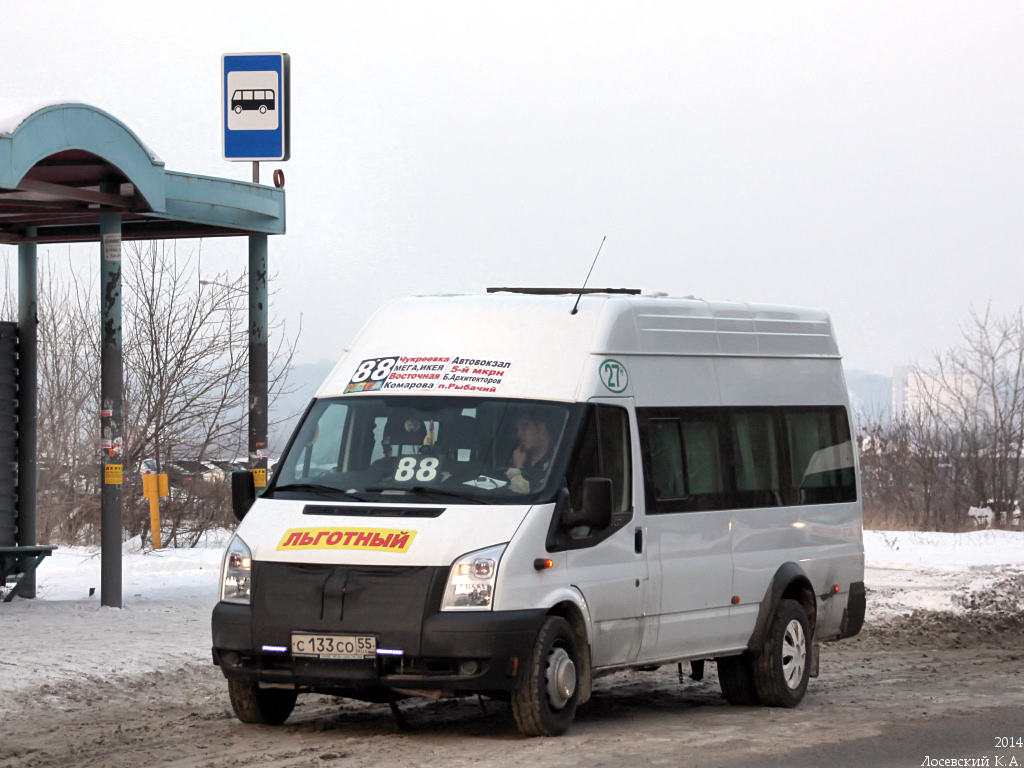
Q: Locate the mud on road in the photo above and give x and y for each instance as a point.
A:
(908, 669)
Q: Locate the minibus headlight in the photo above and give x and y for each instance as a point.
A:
(236, 573)
(471, 581)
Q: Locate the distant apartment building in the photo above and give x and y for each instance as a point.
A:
(915, 392)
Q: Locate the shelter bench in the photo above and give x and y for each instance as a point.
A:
(20, 560)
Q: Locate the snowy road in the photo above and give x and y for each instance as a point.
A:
(84, 685)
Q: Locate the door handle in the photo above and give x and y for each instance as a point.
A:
(638, 540)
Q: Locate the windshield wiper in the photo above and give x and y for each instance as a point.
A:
(446, 493)
(321, 490)
(428, 490)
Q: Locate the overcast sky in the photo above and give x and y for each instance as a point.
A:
(864, 158)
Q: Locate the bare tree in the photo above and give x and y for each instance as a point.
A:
(186, 373)
(184, 357)
(185, 349)
(68, 381)
(8, 299)
(960, 442)
(975, 400)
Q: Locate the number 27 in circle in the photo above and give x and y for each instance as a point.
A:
(614, 376)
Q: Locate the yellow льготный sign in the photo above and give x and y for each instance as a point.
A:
(374, 539)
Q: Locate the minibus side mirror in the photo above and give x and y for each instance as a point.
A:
(596, 507)
(243, 492)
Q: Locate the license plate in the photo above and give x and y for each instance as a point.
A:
(334, 646)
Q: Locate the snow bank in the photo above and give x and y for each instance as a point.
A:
(943, 551)
(64, 635)
(70, 572)
(907, 571)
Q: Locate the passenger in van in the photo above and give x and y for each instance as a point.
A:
(532, 454)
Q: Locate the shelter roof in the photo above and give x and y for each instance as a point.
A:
(63, 165)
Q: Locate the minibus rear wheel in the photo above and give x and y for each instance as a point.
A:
(547, 690)
(260, 706)
(783, 667)
(736, 677)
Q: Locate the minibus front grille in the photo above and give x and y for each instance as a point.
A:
(388, 602)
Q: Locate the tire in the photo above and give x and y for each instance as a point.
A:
(736, 676)
(547, 691)
(782, 668)
(238, 109)
(260, 706)
(263, 109)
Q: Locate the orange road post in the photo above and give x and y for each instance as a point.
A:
(154, 488)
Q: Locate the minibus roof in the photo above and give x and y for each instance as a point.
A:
(536, 330)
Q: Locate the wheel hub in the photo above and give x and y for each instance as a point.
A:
(560, 678)
(794, 654)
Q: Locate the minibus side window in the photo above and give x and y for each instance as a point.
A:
(756, 459)
(683, 461)
(702, 458)
(698, 459)
(821, 456)
(666, 458)
(614, 455)
(603, 450)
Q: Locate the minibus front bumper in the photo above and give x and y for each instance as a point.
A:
(458, 653)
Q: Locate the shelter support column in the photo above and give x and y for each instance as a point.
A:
(111, 424)
(258, 298)
(28, 408)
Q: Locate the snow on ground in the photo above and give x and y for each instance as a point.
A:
(64, 634)
(912, 570)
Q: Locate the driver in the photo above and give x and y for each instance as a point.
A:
(532, 454)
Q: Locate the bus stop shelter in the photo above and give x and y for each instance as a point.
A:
(72, 173)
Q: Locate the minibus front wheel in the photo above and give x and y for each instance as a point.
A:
(260, 706)
(547, 690)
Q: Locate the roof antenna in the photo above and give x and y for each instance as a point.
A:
(575, 307)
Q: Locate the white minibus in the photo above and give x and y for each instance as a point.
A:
(513, 494)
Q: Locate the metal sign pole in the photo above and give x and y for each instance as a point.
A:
(258, 359)
(27, 403)
(111, 435)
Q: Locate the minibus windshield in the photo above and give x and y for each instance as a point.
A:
(425, 449)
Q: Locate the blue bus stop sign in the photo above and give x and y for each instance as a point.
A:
(255, 106)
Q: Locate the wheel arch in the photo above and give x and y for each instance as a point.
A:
(790, 582)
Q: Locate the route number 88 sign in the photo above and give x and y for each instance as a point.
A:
(423, 469)
(371, 374)
(374, 370)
